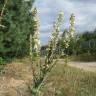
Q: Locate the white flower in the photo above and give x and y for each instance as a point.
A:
(36, 45)
(61, 13)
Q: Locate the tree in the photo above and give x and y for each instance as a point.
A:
(14, 37)
(2, 11)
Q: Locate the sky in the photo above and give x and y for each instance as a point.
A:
(84, 11)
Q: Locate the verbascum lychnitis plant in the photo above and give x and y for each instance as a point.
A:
(38, 79)
(45, 68)
(71, 27)
(72, 33)
(68, 35)
(35, 51)
(49, 59)
(65, 40)
(54, 39)
(35, 34)
(49, 62)
(68, 38)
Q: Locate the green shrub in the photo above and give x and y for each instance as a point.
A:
(2, 61)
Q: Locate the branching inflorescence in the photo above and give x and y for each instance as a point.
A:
(35, 48)
(44, 69)
(54, 39)
(68, 37)
(71, 28)
(34, 36)
(69, 34)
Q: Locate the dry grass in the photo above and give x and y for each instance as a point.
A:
(16, 78)
(69, 81)
(62, 81)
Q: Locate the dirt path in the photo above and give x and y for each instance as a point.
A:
(87, 66)
(15, 79)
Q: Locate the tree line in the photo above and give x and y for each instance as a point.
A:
(16, 17)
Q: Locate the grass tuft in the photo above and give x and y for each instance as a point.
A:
(69, 81)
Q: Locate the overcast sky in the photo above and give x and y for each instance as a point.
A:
(84, 10)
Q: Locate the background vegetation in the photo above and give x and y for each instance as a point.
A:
(19, 37)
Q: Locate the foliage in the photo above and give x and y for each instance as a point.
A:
(85, 57)
(86, 43)
(2, 61)
(16, 19)
(19, 34)
(2, 8)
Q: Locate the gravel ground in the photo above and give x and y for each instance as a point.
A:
(87, 66)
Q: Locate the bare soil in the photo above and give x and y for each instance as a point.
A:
(87, 66)
(15, 79)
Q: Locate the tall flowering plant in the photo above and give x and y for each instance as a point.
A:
(68, 37)
(34, 48)
(71, 28)
(54, 39)
(44, 69)
(64, 44)
(34, 36)
(72, 33)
